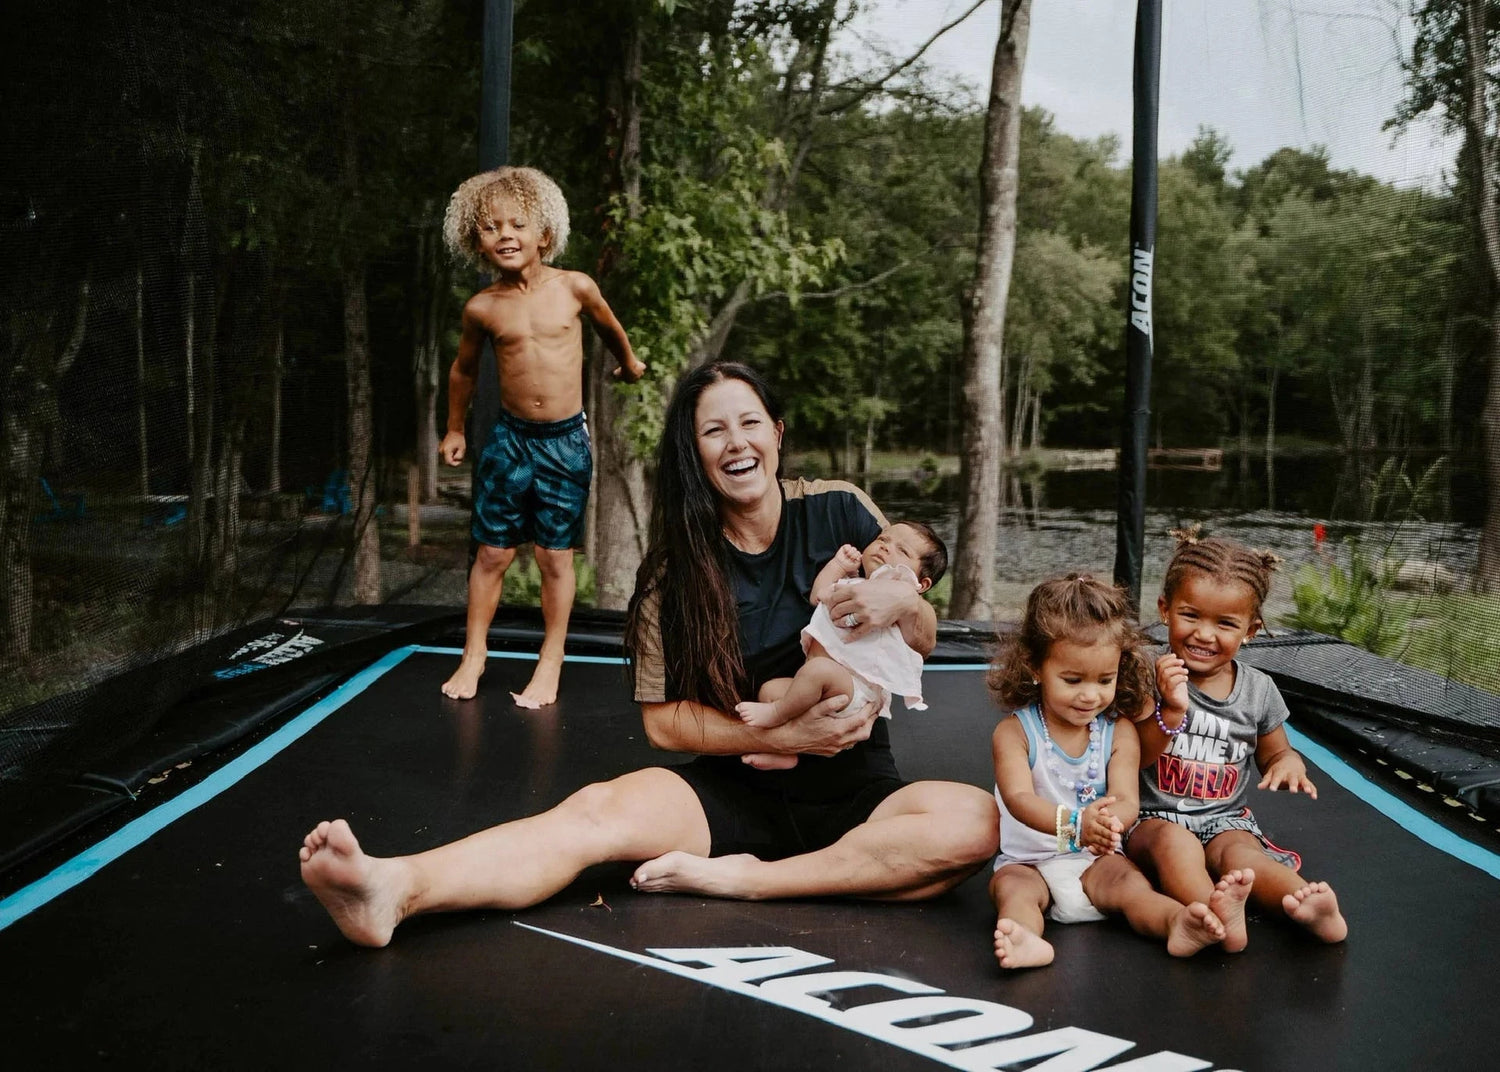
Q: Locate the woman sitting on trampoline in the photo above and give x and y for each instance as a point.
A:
(719, 606)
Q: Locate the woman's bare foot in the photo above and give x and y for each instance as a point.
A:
(1193, 928)
(1017, 947)
(362, 893)
(682, 872)
(541, 690)
(754, 713)
(1228, 903)
(768, 761)
(465, 680)
(1316, 908)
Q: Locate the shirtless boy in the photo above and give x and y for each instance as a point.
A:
(531, 483)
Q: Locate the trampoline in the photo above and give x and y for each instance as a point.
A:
(177, 934)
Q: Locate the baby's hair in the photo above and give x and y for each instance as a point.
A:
(471, 204)
(1081, 608)
(934, 560)
(1218, 559)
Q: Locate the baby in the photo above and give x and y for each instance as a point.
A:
(869, 669)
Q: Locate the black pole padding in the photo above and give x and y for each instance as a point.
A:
(494, 97)
(1130, 530)
(494, 151)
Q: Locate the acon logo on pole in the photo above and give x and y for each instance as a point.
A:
(1140, 290)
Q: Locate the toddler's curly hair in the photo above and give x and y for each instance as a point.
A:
(471, 205)
(1081, 608)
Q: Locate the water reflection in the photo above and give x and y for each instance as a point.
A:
(1059, 520)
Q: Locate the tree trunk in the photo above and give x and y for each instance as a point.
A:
(621, 497)
(984, 430)
(1476, 86)
(431, 281)
(362, 492)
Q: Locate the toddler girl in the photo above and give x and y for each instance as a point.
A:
(1196, 834)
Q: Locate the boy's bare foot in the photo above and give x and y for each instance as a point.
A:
(362, 893)
(753, 713)
(541, 690)
(682, 872)
(465, 680)
(1193, 928)
(1228, 903)
(768, 761)
(1316, 908)
(1017, 947)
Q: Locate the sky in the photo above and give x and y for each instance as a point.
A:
(1264, 73)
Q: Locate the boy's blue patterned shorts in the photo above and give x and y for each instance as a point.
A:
(532, 483)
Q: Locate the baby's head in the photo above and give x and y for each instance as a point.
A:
(1082, 612)
(1211, 598)
(507, 191)
(912, 544)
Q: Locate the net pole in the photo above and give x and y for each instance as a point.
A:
(494, 151)
(1130, 523)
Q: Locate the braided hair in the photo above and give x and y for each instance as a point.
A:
(1221, 560)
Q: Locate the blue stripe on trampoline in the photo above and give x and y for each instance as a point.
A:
(86, 863)
(1398, 811)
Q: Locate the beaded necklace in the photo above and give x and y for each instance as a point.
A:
(1084, 787)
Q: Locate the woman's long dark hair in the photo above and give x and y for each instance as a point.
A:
(685, 556)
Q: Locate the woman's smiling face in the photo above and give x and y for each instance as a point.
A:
(738, 442)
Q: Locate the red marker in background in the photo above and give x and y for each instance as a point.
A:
(1320, 533)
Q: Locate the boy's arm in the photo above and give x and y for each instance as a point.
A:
(461, 380)
(609, 328)
(1281, 766)
(840, 567)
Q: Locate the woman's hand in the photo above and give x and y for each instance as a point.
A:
(826, 729)
(861, 608)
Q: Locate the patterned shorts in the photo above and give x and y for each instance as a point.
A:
(1208, 827)
(532, 483)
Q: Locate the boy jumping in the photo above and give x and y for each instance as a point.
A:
(531, 483)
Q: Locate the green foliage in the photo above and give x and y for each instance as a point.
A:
(523, 582)
(1354, 604)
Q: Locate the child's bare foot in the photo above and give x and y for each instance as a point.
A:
(682, 872)
(1193, 928)
(1316, 908)
(753, 713)
(465, 680)
(1017, 947)
(361, 893)
(541, 690)
(768, 761)
(1228, 903)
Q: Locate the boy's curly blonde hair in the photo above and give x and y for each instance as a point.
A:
(471, 205)
(1083, 609)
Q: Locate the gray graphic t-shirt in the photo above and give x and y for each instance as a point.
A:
(1205, 770)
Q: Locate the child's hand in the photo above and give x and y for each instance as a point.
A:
(1101, 831)
(1172, 685)
(849, 558)
(452, 448)
(1288, 771)
(631, 370)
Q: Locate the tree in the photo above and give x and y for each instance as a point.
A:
(984, 378)
(1457, 47)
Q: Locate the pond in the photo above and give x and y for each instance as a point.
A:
(1065, 520)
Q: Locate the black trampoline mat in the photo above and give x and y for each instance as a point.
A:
(200, 948)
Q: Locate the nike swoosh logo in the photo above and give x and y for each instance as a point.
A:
(1184, 805)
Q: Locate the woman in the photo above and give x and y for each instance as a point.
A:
(720, 600)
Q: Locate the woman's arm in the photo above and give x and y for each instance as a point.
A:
(686, 726)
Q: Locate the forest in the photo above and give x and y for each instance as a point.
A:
(223, 276)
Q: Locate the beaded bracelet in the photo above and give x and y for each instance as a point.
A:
(1065, 831)
(1162, 722)
(1075, 827)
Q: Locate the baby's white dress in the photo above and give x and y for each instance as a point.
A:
(881, 662)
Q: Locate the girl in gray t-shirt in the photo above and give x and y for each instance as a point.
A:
(1196, 834)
